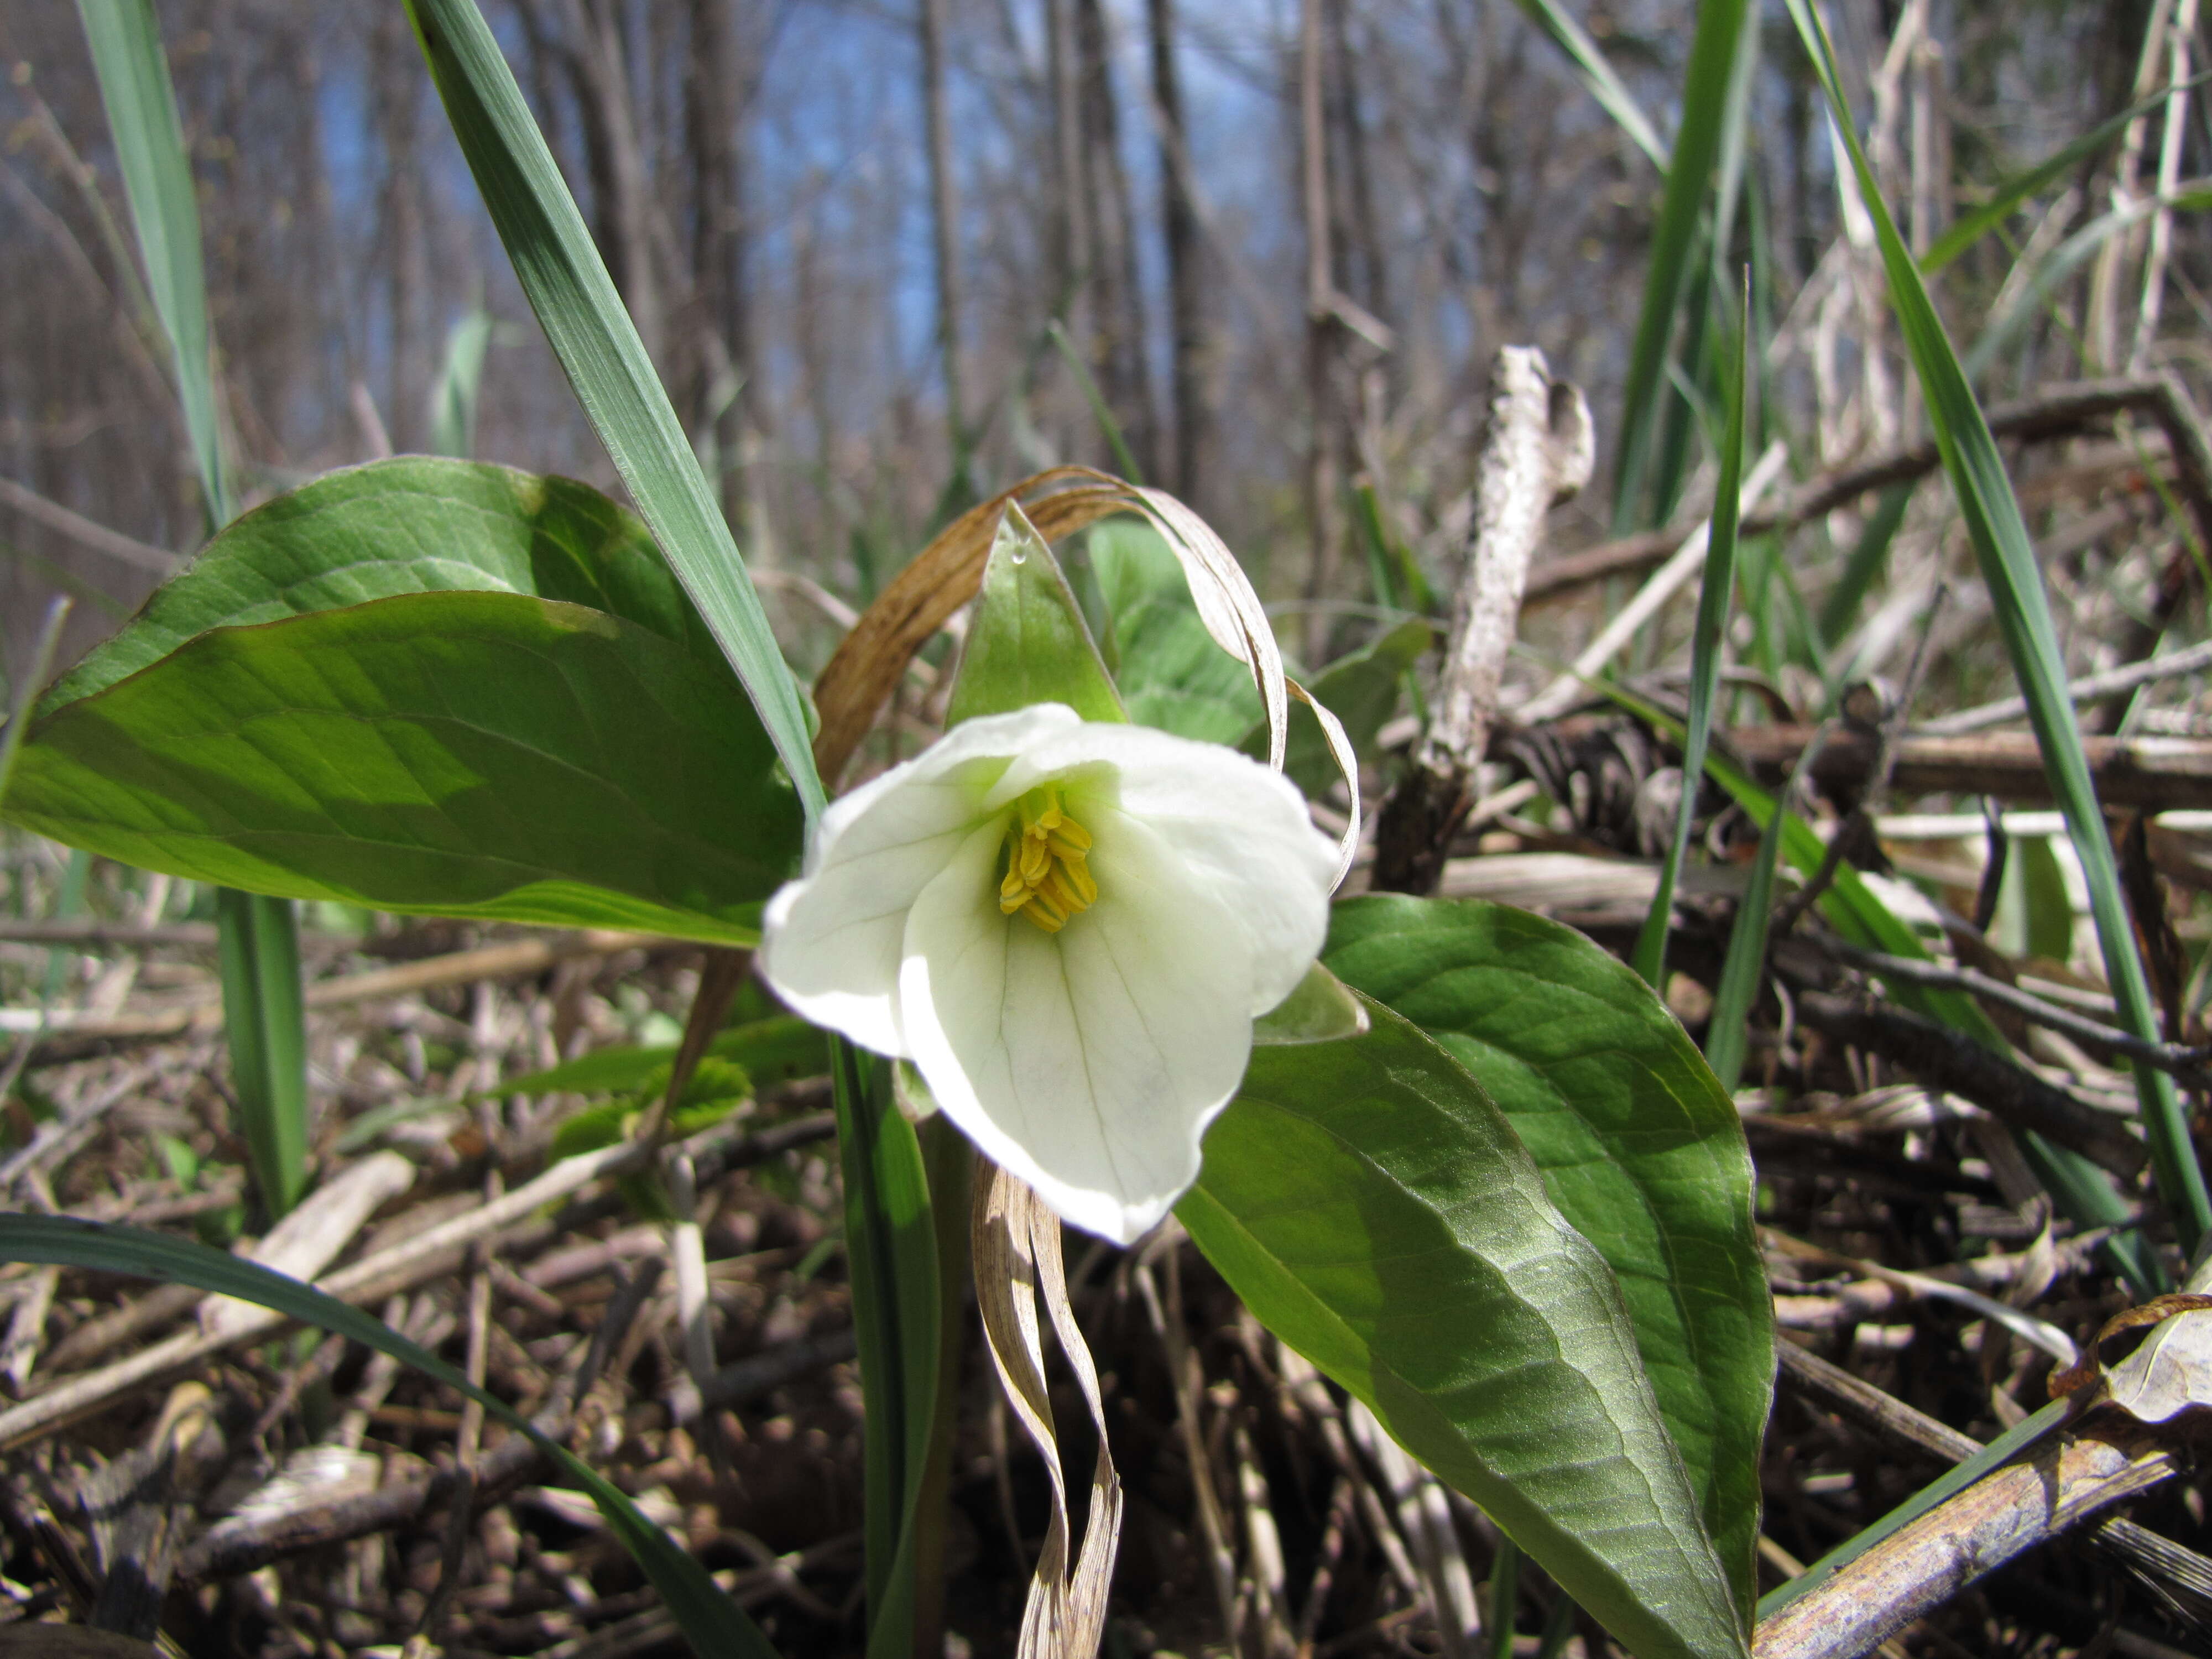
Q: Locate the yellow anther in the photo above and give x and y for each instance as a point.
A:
(1047, 879)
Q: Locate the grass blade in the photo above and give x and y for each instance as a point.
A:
(2006, 560)
(125, 39)
(1841, 610)
(568, 287)
(265, 1019)
(1606, 86)
(28, 683)
(262, 1001)
(1728, 1032)
(2056, 166)
(460, 377)
(890, 1248)
(715, 1624)
(1716, 591)
(1675, 265)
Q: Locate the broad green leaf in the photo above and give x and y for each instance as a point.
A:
(1027, 642)
(772, 1051)
(716, 1626)
(488, 755)
(1375, 1209)
(2006, 560)
(412, 524)
(125, 38)
(1641, 1150)
(1361, 690)
(265, 1020)
(1171, 673)
(568, 287)
(1674, 269)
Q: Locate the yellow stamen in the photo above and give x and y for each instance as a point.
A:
(1047, 879)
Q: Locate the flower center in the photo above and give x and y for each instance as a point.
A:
(1045, 878)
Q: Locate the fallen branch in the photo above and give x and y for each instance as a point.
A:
(68, 1035)
(1537, 450)
(1962, 1066)
(2058, 1484)
(2161, 773)
(2064, 413)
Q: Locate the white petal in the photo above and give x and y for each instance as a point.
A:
(1088, 1061)
(830, 940)
(1242, 828)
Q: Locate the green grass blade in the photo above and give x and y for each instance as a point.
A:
(891, 1248)
(1728, 1032)
(28, 682)
(716, 1626)
(1675, 265)
(460, 379)
(1953, 1481)
(2006, 560)
(264, 1015)
(1100, 410)
(568, 287)
(2056, 166)
(1597, 73)
(1841, 609)
(262, 997)
(1716, 591)
(125, 39)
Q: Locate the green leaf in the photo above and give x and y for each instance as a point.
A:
(1675, 267)
(412, 524)
(2008, 562)
(125, 38)
(772, 1051)
(716, 1626)
(1171, 673)
(265, 1019)
(1361, 690)
(568, 287)
(1027, 642)
(484, 755)
(1716, 592)
(1640, 1147)
(1375, 1210)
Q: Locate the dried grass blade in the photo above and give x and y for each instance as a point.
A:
(1017, 1254)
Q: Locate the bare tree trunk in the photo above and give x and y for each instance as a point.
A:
(1193, 344)
(1117, 341)
(944, 204)
(1071, 228)
(1358, 230)
(398, 80)
(1322, 467)
(722, 352)
(622, 186)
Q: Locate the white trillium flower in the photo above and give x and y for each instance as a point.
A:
(1069, 928)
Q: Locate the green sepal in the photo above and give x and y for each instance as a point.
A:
(1322, 1009)
(1027, 642)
